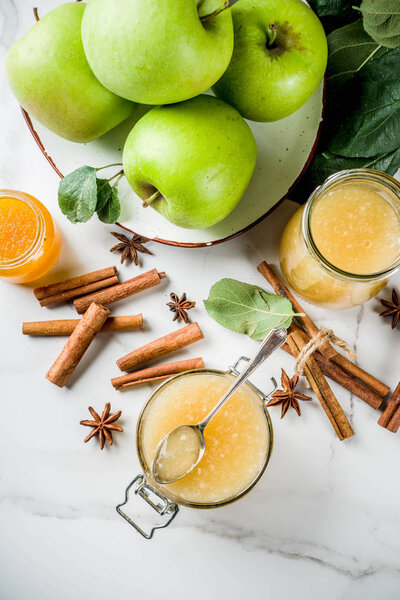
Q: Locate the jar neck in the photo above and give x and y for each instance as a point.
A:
(37, 243)
(355, 176)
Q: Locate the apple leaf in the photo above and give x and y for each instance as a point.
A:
(350, 49)
(247, 308)
(326, 164)
(332, 8)
(335, 13)
(112, 209)
(104, 193)
(381, 20)
(77, 194)
(371, 108)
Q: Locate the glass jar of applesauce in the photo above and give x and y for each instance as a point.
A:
(340, 248)
(29, 240)
(238, 442)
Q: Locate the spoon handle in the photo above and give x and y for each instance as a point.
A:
(272, 342)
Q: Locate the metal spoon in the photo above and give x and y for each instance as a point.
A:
(185, 445)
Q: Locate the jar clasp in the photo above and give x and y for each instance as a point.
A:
(157, 501)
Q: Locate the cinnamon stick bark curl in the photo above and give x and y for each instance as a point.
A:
(74, 282)
(120, 291)
(165, 345)
(67, 326)
(156, 373)
(76, 346)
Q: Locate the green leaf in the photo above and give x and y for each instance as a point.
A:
(335, 13)
(247, 308)
(381, 20)
(77, 194)
(371, 100)
(112, 209)
(350, 48)
(332, 8)
(104, 193)
(325, 164)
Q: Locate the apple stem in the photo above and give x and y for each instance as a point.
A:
(107, 166)
(36, 14)
(215, 12)
(119, 175)
(150, 199)
(271, 35)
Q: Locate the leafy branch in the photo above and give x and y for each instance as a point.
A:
(82, 193)
(361, 126)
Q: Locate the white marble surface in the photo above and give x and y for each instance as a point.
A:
(323, 523)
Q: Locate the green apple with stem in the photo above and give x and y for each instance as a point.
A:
(158, 52)
(279, 58)
(49, 75)
(191, 161)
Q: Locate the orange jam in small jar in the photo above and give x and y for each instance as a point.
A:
(29, 240)
(341, 247)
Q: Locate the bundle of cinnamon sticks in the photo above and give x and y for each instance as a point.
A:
(327, 361)
(91, 293)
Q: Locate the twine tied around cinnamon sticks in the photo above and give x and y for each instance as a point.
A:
(322, 336)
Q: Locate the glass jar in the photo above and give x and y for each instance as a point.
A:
(166, 499)
(341, 247)
(29, 240)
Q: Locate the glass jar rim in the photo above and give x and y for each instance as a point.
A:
(146, 469)
(358, 174)
(40, 230)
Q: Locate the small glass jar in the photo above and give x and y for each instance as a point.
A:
(310, 273)
(162, 498)
(30, 239)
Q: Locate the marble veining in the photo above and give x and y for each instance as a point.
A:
(323, 523)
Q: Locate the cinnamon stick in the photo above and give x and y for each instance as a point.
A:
(326, 397)
(336, 373)
(67, 326)
(394, 422)
(390, 412)
(76, 346)
(377, 386)
(80, 291)
(326, 349)
(122, 290)
(75, 282)
(165, 345)
(156, 373)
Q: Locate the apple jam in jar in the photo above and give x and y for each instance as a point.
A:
(340, 248)
(29, 240)
(238, 439)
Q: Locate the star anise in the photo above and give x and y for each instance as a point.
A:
(103, 425)
(392, 308)
(288, 397)
(179, 306)
(129, 248)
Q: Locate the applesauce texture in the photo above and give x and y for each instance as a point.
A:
(356, 229)
(18, 228)
(237, 439)
(179, 451)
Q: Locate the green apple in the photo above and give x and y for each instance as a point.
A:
(191, 161)
(49, 75)
(157, 52)
(278, 61)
